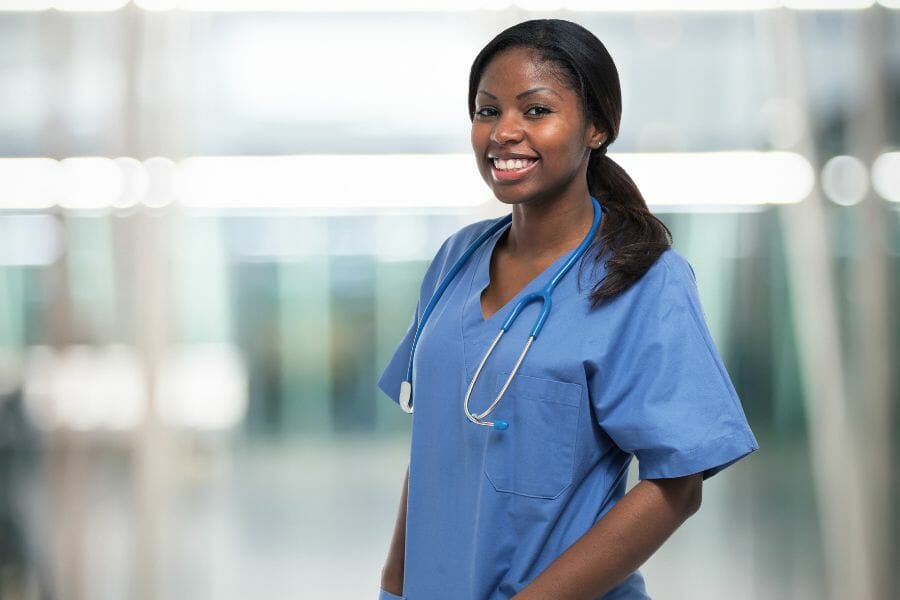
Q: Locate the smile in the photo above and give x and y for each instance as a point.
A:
(512, 169)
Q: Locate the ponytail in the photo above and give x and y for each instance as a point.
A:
(631, 238)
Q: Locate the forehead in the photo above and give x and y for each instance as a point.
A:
(518, 69)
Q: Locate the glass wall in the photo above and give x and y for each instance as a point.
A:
(213, 227)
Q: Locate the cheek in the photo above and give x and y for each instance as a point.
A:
(563, 143)
(480, 135)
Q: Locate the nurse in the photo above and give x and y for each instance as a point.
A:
(624, 366)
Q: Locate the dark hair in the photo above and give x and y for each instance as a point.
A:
(631, 238)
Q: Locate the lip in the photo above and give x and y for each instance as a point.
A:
(510, 155)
(512, 174)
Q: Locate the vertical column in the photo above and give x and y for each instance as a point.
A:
(837, 469)
(872, 303)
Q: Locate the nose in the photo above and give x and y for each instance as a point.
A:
(507, 130)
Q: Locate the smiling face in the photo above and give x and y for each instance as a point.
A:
(529, 133)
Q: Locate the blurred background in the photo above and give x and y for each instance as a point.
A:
(215, 216)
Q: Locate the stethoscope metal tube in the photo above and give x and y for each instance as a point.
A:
(544, 296)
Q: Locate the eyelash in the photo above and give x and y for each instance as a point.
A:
(543, 111)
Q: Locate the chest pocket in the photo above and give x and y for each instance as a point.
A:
(536, 455)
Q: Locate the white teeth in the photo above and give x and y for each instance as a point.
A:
(512, 164)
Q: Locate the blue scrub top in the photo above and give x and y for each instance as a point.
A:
(489, 510)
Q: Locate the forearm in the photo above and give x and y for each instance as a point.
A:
(392, 573)
(619, 542)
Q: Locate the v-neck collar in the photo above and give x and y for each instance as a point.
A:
(481, 278)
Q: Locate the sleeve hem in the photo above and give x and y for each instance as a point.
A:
(709, 458)
(383, 595)
(395, 395)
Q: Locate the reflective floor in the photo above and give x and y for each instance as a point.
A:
(312, 519)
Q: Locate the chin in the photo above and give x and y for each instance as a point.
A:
(513, 197)
(511, 201)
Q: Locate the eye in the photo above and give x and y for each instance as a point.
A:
(536, 111)
(485, 111)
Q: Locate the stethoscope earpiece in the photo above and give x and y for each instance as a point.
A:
(501, 425)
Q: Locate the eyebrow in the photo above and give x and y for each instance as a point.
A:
(525, 93)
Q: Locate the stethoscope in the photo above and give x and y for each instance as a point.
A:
(544, 295)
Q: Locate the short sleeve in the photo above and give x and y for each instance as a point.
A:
(395, 371)
(662, 393)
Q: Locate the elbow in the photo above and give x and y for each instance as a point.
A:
(682, 494)
(694, 495)
(687, 493)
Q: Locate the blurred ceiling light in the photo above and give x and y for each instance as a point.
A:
(353, 184)
(398, 181)
(162, 175)
(828, 4)
(29, 240)
(28, 183)
(88, 5)
(122, 387)
(668, 5)
(335, 183)
(845, 180)
(328, 6)
(337, 6)
(25, 5)
(720, 178)
(76, 400)
(63, 5)
(202, 386)
(84, 388)
(135, 182)
(89, 182)
(98, 388)
(158, 5)
(540, 5)
(886, 176)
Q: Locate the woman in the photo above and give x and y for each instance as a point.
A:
(535, 506)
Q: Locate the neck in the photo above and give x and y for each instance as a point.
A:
(546, 230)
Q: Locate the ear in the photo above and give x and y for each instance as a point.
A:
(595, 137)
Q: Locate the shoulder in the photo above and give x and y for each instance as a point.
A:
(664, 300)
(452, 248)
(668, 281)
(678, 268)
(670, 269)
(457, 243)
(672, 290)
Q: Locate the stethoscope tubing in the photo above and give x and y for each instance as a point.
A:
(544, 295)
(445, 283)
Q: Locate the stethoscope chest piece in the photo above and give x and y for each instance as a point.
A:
(406, 397)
